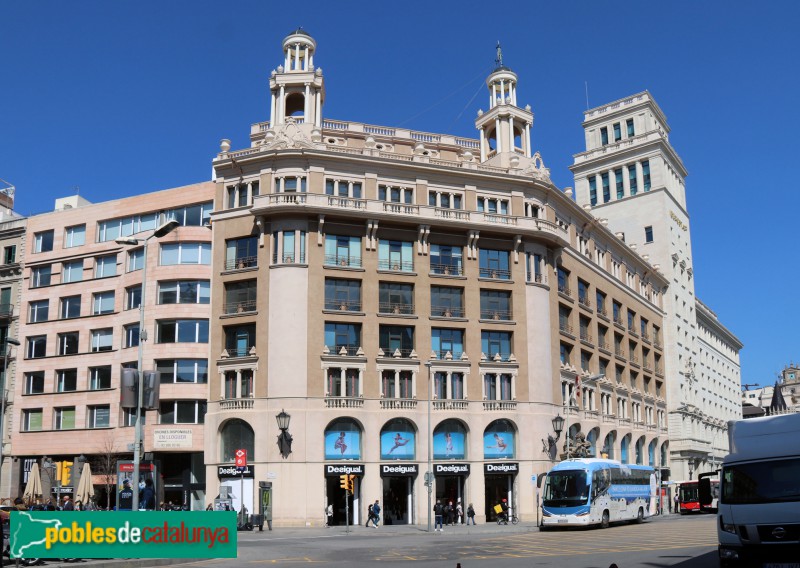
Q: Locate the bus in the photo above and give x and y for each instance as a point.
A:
(597, 492)
(689, 499)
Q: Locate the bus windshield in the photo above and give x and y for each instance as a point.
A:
(566, 488)
(763, 482)
(689, 492)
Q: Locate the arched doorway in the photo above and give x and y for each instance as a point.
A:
(398, 444)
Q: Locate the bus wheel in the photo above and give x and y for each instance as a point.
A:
(604, 521)
(640, 516)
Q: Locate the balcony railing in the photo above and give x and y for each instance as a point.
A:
(344, 402)
(398, 403)
(403, 353)
(618, 321)
(603, 346)
(236, 404)
(447, 311)
(396, 265)
(241, 262)
(395, 308)
(585, 302)
(632, 331)
(239, 307)
(499, 405)
(6, 310)
(619, 352)
(450, 404)
(586, 336)
(538, 278)
(564, 289)
(442, 355)
(343, 261)
(345, 350)
(646, 336)
(502, 315)
(494, 273)
(343, 305)
(602, 313)
(657, 342)
(238, 351)
(565, 327)
(447, 269)
(288, 259)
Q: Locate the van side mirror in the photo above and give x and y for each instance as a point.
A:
(705, 491)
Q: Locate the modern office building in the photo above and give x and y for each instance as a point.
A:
(80, 327)
(406, 296)
(12, 249)
(630, 175)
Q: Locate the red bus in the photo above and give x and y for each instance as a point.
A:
(689, 498)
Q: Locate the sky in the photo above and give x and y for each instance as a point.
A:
(112, 99)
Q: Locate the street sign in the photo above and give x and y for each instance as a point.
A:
(533, 479)
(241, 458)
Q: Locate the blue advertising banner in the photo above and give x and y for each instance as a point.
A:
(342, 445)
(449, 445)
(498, 445)
(397, 445)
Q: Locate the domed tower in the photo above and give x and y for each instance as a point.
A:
(296, 87)
(505, 129)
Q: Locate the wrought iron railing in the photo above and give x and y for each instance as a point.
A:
(447, 311)
(241, 262)
(396, 265)
(395, 308)
(494, 273)
(343, 305)
(343, 261)
(239, 307)
(500, 315)
(447, 269)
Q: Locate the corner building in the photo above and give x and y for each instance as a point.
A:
(399, 293)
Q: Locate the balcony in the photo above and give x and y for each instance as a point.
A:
(343, 305)
(494, 273)
(288, 259)
(609, 419)
(585, 302)
(344, 350)
(447, 269)
(241, 263)
(586, 336)
(497, 315)
(450, 404)
(634, 360)
(538, 278)
(239, 351)
(601, 312)
(645, 337)
(342, 261)
(398, 403)
(396, 265)
(632, 331)
(564, 327)
(603, 346)
(445, 355)
(591, 414)
(625, 422)
(499, 405)
(657, 342)
(397, 353)
(564, 289)
(236, 404)
(620, 353)
(239, 307)
(6, 310)
(447, 311)
(396, 309)
(618, 322)
(344, 402)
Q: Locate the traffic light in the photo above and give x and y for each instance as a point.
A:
(66, 473)
(152, 388)
(346, 482)
(127, 391)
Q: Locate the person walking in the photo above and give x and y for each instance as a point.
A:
(148, 496)
(67, 506)
(677, 503)
(329, 515)
(376, 514)
(459, 512)
(438, 512)
(470, 514)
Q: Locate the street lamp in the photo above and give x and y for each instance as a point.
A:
(284, 438)
(690, 462)
(9, 341)
(590, 379)
(429, 474)
(137, 443)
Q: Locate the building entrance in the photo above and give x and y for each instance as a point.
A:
(498, 484)
(336, 495)
(451, 484)
(398, 493)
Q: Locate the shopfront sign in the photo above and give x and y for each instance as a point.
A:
(451, 468)
(500, 468)
(172, 438)
(233, 471)
(334, 470)
(388, 470)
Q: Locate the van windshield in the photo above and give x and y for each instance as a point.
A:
(566, 488)
(774, 481)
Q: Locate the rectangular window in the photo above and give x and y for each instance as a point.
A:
(617, 312)
(583, 293)
(185, 253)
(496, 342)
(563, 281)
(240, 339)
(600, 298)
(342, 335)
(447, 260)
(241, 253)
(593, 190)
(133, 297)
(131, 338)
(10, 254)
(70, 307)
(75, 236)
(184, 292)
(618, 182)
(182, 331)
(135, 259)
(103, 303)
(191, 215)
(604, 136)
(126, 226)
(32, 420)
(495, 305)
(102, 339)
(565, 353)
(629, 126)
(183, 370)
(343, 251)
(632, 183)
(344, 295)
(447, 340)
(240, 297)
(68, 343)
(100, 378)
(646, 175)
(617, 132)
(395, 194)
(64, 418)
(648, 234)
(182, 412)
(447, 302)
(67, 380)
(99, 416)
(493, 264)
(36, 346)
(606, 188)
(395, 255)
(395, 298)
(34, 382)
(38, 311)
(40, 276)
(72, 271)
(394, 338)
(43, 242)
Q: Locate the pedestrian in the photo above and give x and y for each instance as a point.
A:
(438, 512)
(49, 506)
(459, 512)
(329, 515)
(79, 505)
(376, 514)
(369, 515)
(148, 496)
(450, 511)
(503, 512)
(677, 503)
(67, 506)
(470, 514)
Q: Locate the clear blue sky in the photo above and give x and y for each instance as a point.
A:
(120, 98)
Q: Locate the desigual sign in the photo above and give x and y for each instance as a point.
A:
(451, 468)
(233, 471)
(501, 468)
(404, 469)
(344, 469)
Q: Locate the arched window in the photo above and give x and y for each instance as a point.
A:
(640, 451)
(651, 453)
(664, 453)
(236, 434)
(608, 445)
(343, 440)
(624, 449)
(450, 441)
(398, 440)
(295, 105)
(499, 440)
(591, 437)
